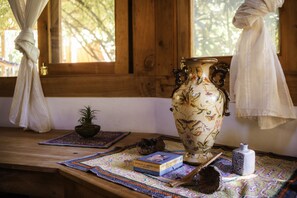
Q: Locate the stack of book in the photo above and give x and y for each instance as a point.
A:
(158, 163)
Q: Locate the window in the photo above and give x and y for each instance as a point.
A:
(282, 26)
(9, 30)
(213, 31)
(158, 33)
(88, 32)
(84, 37)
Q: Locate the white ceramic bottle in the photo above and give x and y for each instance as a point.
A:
(243, 160)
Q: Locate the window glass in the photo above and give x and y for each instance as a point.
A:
(87, 30)
(10, 58)
(9, 30)
(213, 31)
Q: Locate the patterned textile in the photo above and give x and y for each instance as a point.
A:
(272, 174)
(290, 187)
(103, 139)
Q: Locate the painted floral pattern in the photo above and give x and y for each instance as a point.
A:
(198, 110)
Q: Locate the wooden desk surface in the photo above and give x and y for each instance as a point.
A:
(21, 154)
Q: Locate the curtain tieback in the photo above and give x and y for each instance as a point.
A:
(25, 43)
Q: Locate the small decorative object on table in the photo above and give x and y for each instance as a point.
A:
(243, 160)
(190, 177)
(148, 146)
(87, 129)
(210, 180)
(199, 104)
(158, 163)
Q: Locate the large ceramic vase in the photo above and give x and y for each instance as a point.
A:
(199, 104)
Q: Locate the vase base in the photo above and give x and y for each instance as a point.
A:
(197, 158)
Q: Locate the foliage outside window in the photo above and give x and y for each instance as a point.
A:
(86, 34)
(213, 31)
(87, 30)
(9, 30)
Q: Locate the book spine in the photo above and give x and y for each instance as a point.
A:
(145, 165)
(141, 170)
(158, 173)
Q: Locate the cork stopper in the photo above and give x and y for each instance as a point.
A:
(244, 147)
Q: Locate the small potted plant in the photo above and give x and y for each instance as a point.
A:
(86, 128)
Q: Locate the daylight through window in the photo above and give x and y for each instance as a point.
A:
(213, 31)
(87, 32)
(9, 30)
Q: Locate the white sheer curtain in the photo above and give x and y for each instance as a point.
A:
(29, 108)
(257, 81)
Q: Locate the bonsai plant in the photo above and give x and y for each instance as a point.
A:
(87, 128)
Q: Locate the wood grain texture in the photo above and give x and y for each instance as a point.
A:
(50, 39)
(43, 32)
(288, 36)
(144, 37)
(99, 86)
(81, 68)
(32, 169)
(292, 85)
(166, 45)
(55, 36)
(23, 182)
(121, 36)
(161, 36)
(184, 20)
(7, 85)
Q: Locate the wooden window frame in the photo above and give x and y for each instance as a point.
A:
(160, 35)
(49, 25)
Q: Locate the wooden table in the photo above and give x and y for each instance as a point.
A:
(27, 168)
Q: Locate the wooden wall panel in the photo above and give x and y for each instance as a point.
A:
(288, 26)
(165, 36)
(7, 86)
(99, 86)
(55, 28)
(183, 29)
(121, 34)
(161, 36)
(144, 37)
(81, 68)
(43, 29)
(292, 84)
(165, 86)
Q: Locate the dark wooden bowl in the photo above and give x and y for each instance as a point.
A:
(87, 131)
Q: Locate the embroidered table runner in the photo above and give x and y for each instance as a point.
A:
(271, 178)
(104, 139)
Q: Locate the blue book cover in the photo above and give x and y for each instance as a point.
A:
(159, 157)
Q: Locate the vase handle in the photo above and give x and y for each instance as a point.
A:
(181, 74)
(218, 73)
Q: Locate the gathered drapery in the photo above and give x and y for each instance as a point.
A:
(29, 108)
(257, 82)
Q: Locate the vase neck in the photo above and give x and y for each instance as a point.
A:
(243, 147)
(199, 67)
(200, 70)
(205, 69)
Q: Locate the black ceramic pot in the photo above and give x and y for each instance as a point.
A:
(87, 131)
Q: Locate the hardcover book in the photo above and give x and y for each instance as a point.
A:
(158, 163)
